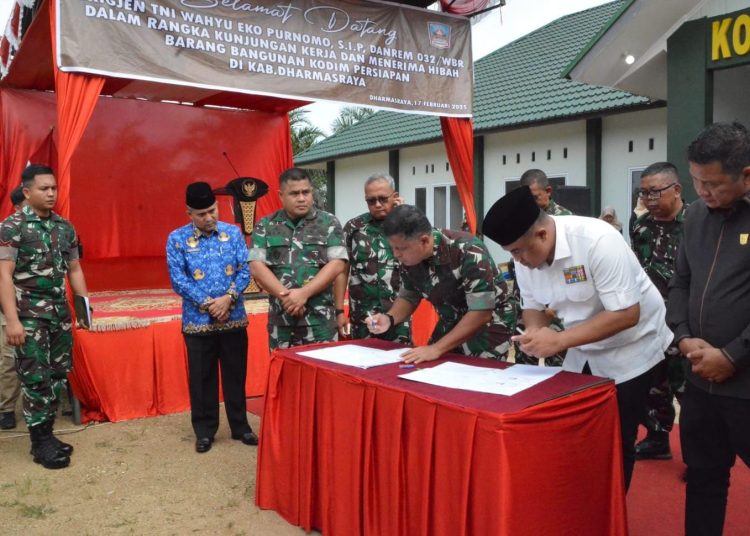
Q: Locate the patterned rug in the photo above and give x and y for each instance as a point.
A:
(128, 309)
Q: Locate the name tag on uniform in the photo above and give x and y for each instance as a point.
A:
(575, 274)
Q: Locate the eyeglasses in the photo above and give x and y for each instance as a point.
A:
(382, 199)
(655, 193)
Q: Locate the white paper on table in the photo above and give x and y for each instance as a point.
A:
(508, 381)
(355, 355)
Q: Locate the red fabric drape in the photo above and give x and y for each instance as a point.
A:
(46, 153)
(458, 134)
(153, 378)
(77, 96)
(26, 119)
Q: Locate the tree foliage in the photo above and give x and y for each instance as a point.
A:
(350, 115)
(304, 133)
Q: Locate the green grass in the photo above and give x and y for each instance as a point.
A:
(35, 511)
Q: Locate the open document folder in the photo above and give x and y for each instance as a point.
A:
(507, 381)
(355, 355)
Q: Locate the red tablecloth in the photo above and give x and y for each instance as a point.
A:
(141, 372)
(120, 375)
(351, 451)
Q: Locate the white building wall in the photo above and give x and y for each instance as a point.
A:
(517, 146)
(427, 165)
(619, 163)
(713, 8)
(423, 165)
(351, 174)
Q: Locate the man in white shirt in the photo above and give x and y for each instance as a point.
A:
(612, 313)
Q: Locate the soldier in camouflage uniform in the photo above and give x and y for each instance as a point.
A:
(10, 388)
(297, 253)
(541, 189)
(374, 277)
(37, 249)
(455, 272)
(655, 238)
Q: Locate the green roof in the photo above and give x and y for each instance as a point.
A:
(517, 85)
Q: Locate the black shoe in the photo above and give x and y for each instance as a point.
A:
(66, 449)
(7, 420)
(203, 444)
(44, 450)
(248, 438)
(654, 447)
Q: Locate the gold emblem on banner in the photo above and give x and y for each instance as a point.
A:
(192, 242)
(248, 188)
(223, 237)
(743, 238)
(229, 270)
(198, 274)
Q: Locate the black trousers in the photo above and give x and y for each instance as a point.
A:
(205, 352)
(714, 430)
(632, 397)
(631, 403)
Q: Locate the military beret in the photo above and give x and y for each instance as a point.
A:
(511, 216)
(199, 195)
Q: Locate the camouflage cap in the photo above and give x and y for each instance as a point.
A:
(511, 216)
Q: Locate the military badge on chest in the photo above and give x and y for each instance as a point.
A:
(575, 274)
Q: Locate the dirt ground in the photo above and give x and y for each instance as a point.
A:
(134, 477)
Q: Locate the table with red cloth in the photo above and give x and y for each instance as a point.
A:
(133, 362)
(142, 372)
(354, 451)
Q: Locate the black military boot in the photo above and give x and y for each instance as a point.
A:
(654, 447)
(44, 449)
(64, 448)
(7, 420)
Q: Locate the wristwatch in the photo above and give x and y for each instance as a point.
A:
(390, 318)
(339, 312)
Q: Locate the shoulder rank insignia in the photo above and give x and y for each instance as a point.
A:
(223, 237)
(192, 242)
(198, 274)
(229, 270)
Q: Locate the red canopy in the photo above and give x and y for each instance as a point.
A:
(114, 155)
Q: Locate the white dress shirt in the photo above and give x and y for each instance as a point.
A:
(594, 270)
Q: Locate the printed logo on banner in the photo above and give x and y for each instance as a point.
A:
(440, 34)
(575, 274)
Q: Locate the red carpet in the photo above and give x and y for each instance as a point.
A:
(656, 500)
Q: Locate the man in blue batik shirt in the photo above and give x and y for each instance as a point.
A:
(208, 267)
